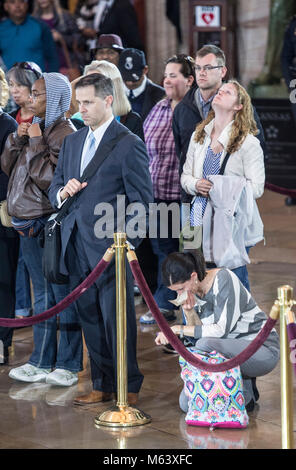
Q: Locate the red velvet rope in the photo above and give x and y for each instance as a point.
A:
(180, 348)
(74, 295)
(278, 189)
(291, 331)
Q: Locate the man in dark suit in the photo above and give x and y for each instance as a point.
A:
(142, 93)
(124, 173)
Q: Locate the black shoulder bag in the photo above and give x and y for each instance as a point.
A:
(50, 238)
(222, 169)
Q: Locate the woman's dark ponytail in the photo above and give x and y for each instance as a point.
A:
(178, 267)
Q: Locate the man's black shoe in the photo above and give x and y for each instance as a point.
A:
(290, 201)
(255, 389)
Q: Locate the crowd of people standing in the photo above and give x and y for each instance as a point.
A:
(194, 140)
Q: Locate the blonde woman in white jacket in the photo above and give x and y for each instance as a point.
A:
(229, 129)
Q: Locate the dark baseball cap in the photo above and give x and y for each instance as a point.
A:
(109, 41)
(131, 64)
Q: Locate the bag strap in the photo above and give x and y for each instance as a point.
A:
(222, 169)
(90, 170)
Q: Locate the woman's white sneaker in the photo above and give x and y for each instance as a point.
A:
(62, 377)
(29, 373)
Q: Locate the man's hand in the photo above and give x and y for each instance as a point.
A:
(203, 187)
(72, 187)
(34, 130)
(23, 129)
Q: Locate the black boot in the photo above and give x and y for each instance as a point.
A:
(255, 389)
(250, 406)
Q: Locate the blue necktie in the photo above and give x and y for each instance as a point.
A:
(91, 150)
(131, 95)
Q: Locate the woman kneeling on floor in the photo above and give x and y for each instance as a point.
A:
(228, 317)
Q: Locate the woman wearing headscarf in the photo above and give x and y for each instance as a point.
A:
(29, 159)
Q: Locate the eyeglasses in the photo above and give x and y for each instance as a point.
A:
(207, 68)
(34, 96)
(26, 66)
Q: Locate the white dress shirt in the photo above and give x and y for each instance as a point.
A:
(98, 134)
(136, 91)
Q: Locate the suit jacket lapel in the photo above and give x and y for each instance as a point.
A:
(109, 134)
(76, 162)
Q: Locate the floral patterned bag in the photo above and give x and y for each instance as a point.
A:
(215, 399)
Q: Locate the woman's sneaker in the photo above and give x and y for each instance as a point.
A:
(29, 373)
(62, 377)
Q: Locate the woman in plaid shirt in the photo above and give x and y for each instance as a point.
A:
(164, 167)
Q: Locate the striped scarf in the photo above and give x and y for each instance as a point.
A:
(211, 166)
(58, 97)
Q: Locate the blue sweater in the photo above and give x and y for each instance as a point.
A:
(28, 41)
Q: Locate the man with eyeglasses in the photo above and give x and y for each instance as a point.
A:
(210, 69)
(24, 38)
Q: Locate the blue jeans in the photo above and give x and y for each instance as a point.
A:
(242, 273)
(48, 352)
(23, 303)
(162, 247)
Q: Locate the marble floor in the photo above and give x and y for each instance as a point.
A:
(40, 416)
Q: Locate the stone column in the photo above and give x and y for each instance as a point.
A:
(252, 32)
(161, 38)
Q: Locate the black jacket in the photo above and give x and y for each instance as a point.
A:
(134, 123)
(152, 94)
(121, 19)
(7, 126)
(125, 171)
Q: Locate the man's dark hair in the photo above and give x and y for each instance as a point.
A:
(212, 49)
(103, 85)
(178, 267)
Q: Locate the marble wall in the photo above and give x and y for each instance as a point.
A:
(252, 32)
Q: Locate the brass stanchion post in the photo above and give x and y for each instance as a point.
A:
(285, 296)
(121, 415)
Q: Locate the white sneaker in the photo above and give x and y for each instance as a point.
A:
(62, 377)
(29, 373)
